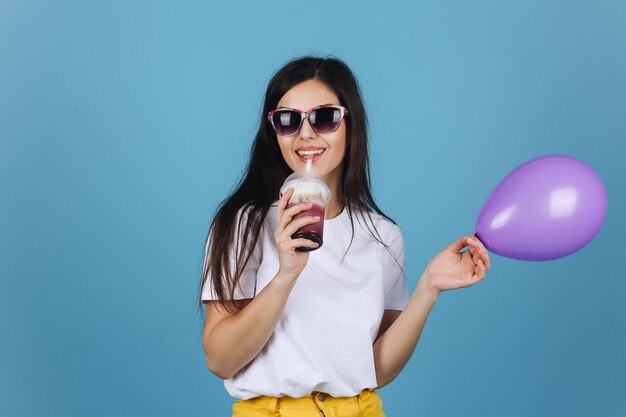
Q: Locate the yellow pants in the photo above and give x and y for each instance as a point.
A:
(366, 404)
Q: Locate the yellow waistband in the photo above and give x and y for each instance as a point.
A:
(308, 401)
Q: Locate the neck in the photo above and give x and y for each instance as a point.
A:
(336, 203)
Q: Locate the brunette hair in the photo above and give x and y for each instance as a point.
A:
(235, 229)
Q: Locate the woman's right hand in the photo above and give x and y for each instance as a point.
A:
(292, 262)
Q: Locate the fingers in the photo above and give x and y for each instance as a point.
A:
(302, 242)
(463, 242)
(458, 244)
(480, 258)
(479, 272)
(287, 226)
(287, 215)
(290, 245)
(478, 251)
(283, 208)
(283, 201)
(293, 227)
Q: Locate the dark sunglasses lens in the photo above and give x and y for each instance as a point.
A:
(286, 122)
(326, 119)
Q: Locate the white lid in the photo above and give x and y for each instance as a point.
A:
(308, 180)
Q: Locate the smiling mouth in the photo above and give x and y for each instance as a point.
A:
(310, 153)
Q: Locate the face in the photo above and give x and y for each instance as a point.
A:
(326, 149)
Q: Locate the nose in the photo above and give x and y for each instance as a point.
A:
(306, 130)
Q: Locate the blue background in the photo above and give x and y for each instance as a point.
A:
(124, 124)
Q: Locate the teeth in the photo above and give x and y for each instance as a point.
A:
(307, 153)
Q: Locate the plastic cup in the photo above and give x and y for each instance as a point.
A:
(308, 188)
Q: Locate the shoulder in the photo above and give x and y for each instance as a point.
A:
(385, 228)
(389, 240)
(242, 222)
(251, 212)
(379, 230)
(383, 222)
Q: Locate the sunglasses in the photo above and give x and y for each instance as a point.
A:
(324, 119)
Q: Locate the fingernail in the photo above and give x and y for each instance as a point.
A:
(316, 218)
(469, 239)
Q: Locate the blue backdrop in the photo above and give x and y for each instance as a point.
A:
(124, 124)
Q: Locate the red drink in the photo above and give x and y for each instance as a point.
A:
(315, 231)
(308, 188)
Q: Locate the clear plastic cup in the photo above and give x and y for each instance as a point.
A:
(308, 188)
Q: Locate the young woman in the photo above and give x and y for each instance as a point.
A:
(315, 333)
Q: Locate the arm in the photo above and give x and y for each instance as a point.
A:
(448, 270)
(232, 339)
(393, 349)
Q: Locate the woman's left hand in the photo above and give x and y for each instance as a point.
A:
(450, 269)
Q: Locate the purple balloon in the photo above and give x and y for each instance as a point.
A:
(546, 208)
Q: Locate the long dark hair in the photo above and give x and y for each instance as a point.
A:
(235, 228)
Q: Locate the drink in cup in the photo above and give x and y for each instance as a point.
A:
(308, 188)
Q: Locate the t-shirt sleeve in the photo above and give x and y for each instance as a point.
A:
(394, 279)
(247, 282)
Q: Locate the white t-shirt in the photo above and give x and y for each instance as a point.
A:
(324, 338)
